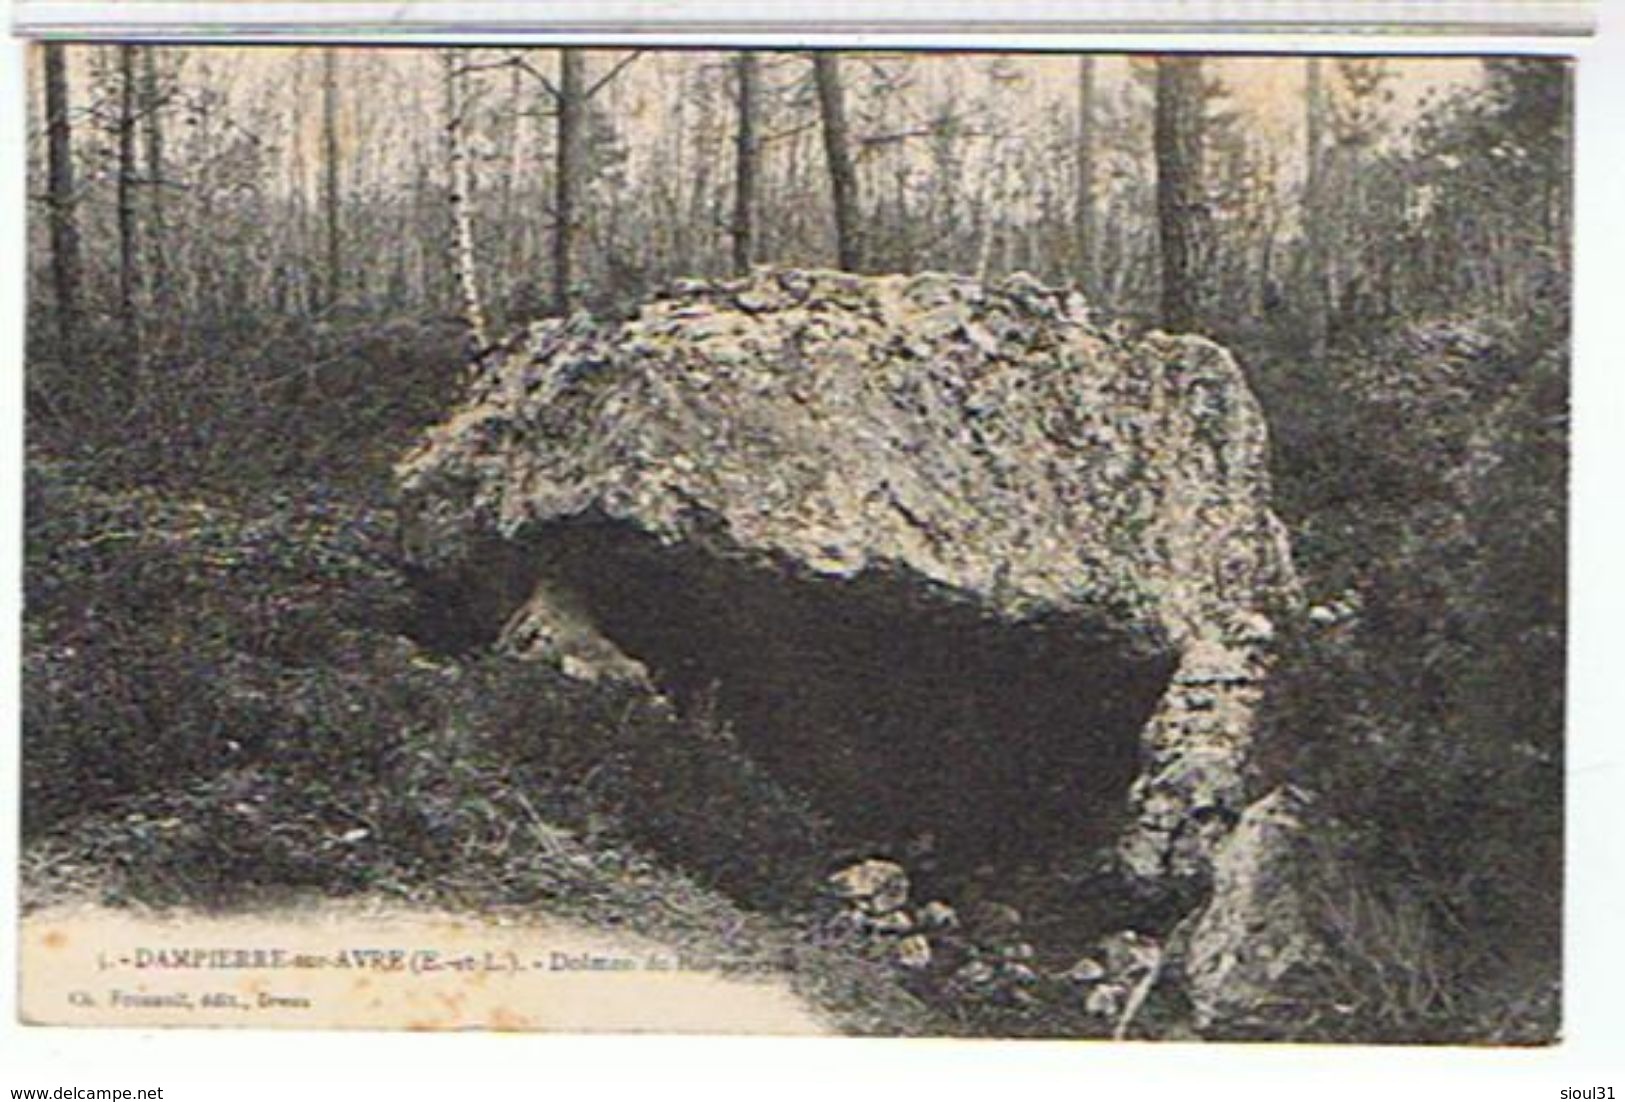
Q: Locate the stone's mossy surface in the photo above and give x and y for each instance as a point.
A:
(987, 439)
(954, 444)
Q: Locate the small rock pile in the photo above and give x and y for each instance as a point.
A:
(1119, 971)
(983, 956)
(872, 900)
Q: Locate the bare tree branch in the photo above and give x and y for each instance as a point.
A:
(790, 132)
(869, 143)
(619, 67)
(524, 66)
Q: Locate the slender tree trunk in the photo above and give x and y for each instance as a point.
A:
(946, 181)
(127, 273)
(747, 155)
(512, 259)
(989, 203)
(65, 261)
(460, 195)
(1086, 176)
(330, 176)
(1317, 290)
(837, 152)
(205, 259)
(569, 149)
(151, 104)
(1178, 143)
(304, 293)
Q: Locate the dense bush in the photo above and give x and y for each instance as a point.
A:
(293, 401)
(164, 638)
(183, 661)
(1424, 701)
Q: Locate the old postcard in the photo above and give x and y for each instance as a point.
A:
(903, 543)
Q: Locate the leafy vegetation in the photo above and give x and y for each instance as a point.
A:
(253, 659)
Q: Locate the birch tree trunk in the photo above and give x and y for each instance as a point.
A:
(512, 253)
(747, 154)
(1086, 176)
(460, 196)
(1177, 140)
(837, 152)
(66, 268)
(990, 200)
(152, 118)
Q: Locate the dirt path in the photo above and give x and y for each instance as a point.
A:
(378, 964)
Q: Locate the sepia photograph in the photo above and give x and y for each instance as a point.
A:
(887, 542)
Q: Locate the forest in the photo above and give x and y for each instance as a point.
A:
(258, 274)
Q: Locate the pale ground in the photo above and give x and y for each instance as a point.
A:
(384, 966)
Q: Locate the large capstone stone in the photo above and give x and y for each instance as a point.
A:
(966, 567)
